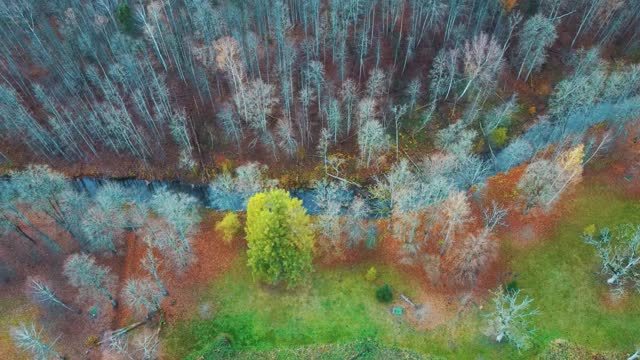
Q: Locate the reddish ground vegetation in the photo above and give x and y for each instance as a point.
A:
(26, 262)
(621, 169)
(522, 228)
(213, 257)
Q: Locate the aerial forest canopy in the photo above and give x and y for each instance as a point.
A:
(178, 177)
(176, 82)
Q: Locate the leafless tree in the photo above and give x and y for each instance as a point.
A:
(482, 62)
(472, 255)
(455, 212)
(494, 215)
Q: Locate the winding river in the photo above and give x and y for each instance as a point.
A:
(145, 188)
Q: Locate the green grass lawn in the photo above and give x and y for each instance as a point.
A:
(562, 276)
(339, 306)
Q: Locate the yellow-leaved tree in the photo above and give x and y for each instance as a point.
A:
(571, 162)
(280, 238)
(229, 226)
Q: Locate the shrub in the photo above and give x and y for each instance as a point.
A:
(372, 274)
(227, 166)
(499, 137)
(91, 341)
(561, 349)
(384, 294)
(229, 226)
(511, 287)
(590, 230)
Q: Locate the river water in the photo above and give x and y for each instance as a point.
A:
(145, 188)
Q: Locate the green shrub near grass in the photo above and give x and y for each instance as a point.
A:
(563, 350)
(511, 286)
(384, 294)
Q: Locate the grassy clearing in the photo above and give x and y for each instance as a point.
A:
(562, 276)
(338, 306)
(219, 350)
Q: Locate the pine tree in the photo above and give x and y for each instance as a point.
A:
(472, 255)
(376, 85)
(455, 212)
(349, 94)
(413, 92)
(13, 217)
(398, 111)
(173, 232)
(104, 223)
(356, 222)
(444, 74)
(179, 210)
(482, 63)
(279, 237)
(151, 265)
